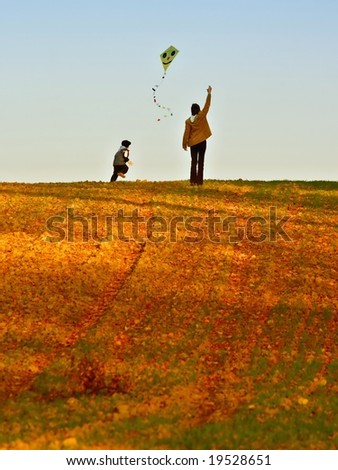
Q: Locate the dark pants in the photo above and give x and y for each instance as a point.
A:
(197, 153)
(119, 169)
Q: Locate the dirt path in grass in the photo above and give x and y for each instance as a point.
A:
(106, 300)
(23, 379)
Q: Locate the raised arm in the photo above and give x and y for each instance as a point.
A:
(206, 107)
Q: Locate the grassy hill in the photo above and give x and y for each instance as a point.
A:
(155, 315)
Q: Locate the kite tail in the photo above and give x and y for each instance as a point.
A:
(167, 111)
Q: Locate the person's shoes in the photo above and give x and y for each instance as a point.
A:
(121, 174)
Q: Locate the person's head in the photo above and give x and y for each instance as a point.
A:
(195, 109)
(125, 143)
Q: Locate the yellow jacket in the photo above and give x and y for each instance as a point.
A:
(198, 130)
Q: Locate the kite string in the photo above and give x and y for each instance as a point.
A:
(155, 98)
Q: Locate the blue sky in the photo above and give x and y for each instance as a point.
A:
(77, 76)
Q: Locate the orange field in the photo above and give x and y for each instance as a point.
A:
(153, 315)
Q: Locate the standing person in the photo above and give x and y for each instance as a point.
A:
(120, 159)
(196, 133)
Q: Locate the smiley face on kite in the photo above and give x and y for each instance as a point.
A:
(168, 56)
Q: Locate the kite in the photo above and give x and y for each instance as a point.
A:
(167, 58)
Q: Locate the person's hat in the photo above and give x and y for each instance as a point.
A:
(125, 143)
